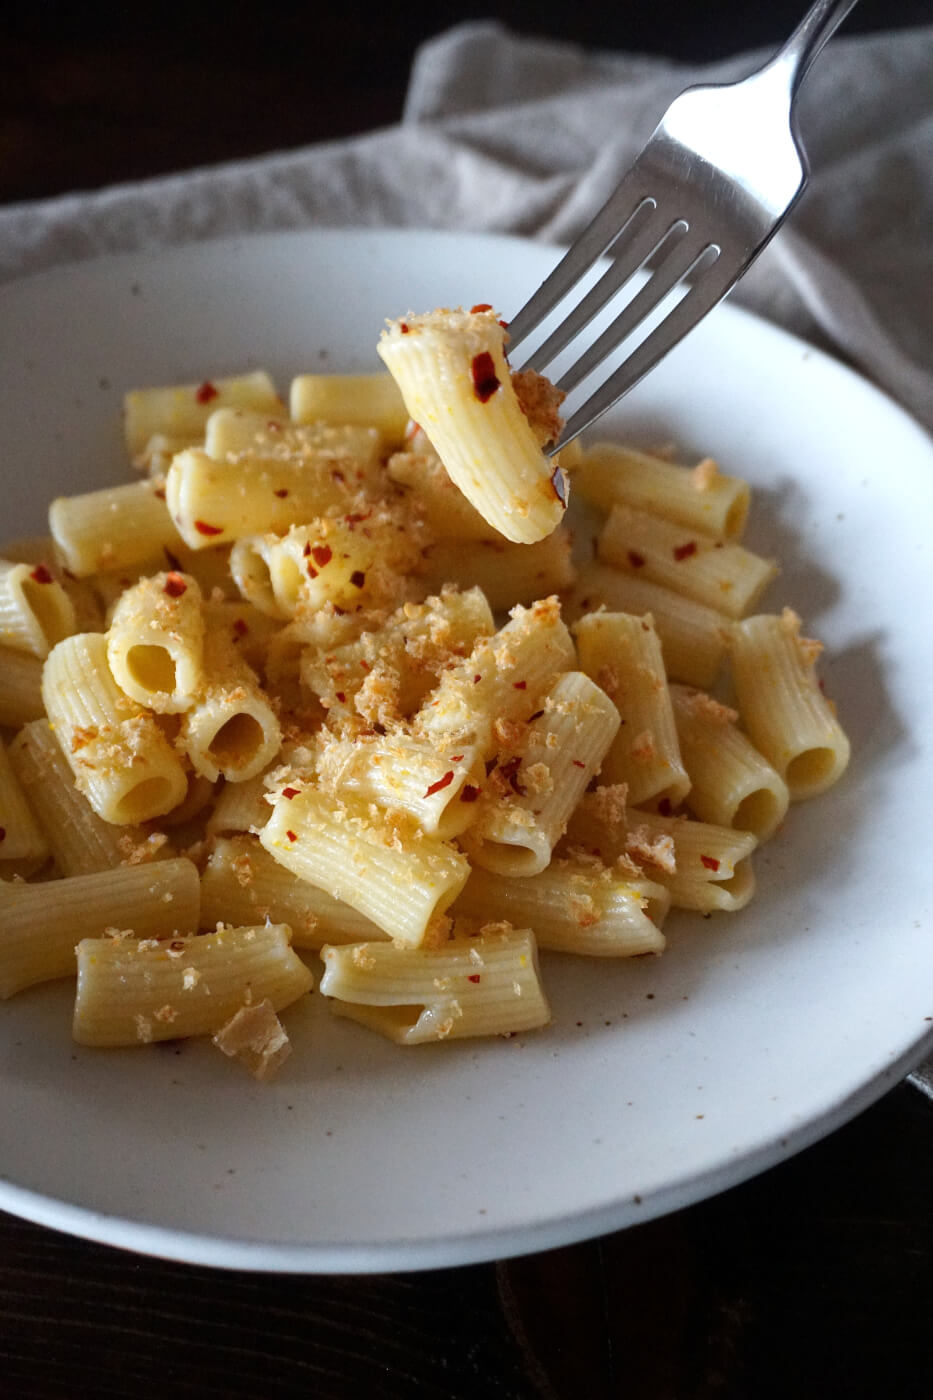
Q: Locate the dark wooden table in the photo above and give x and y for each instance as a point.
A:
(814, 1280)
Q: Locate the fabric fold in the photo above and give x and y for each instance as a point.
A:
(503, 133)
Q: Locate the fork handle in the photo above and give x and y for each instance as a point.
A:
(819, 23)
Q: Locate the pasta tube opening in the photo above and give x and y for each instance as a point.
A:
(237, 742)
(152, 668)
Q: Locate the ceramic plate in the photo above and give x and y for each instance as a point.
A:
(660, 1081)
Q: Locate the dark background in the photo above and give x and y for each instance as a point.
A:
(92, 94)
(814, 1280)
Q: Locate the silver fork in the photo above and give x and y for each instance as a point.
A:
(715, 182)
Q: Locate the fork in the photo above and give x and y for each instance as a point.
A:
(716, 180)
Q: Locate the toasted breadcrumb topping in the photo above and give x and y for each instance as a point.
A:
(540, 401)
(705, 707)
(650, 849)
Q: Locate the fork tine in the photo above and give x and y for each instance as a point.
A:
(638, 247)
(683, 254)
(709, 289)
(599, 235)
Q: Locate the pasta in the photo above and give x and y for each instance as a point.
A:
(452, 371)
(332, 683)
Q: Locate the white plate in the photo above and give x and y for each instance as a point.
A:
(659, 1083)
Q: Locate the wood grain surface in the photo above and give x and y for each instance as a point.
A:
(813, 1280)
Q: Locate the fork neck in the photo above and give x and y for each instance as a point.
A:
(819, 23)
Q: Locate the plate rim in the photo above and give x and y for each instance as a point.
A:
(229, 1251)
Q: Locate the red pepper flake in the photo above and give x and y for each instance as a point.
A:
(203, 528)
(273, 426)
(559, 486)
(404, 327)
(519, 685)
(159, 493)
(477, 679)
(473, 976)
(291, 835)
(364, 665)
(480, 306)
(578, 763)
(684, 551)
(664, 807)
(441, 783)
(281, 492)
(322, 554)
(306, 551)
(636, 560)
(290, 792)
(504, 325)
(312, 571)
(175, 585)
(456, 758)
(469, 793)
(491, 763)
(206, 391)
(510, 771)
(41, 574)
(485, 379)
(357, 578)
(537, 715)
(240, 627)
(341, 697)
(710, 862)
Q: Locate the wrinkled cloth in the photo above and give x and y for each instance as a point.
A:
(518, 135)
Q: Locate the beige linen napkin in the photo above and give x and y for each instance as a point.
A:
(528, 136)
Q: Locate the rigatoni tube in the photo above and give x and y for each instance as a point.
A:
(121, 760)
(531, 794)
(134, 991)
(782, 706)
(243, 884)
(488, 985)
(732, 783)
(700, 497)
(716, 573)
(230, 730)
(622, 653)
(456, 383)
(182, 410)
(40, 924)
(35, 611)
(399, 878)
(112, 529)
(156, 641)
(573, 907)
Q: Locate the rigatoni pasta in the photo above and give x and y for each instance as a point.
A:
(35, 611)
(456, 383)
(121, 759)
(488, 985)
(41, 924)
(132, 991)
(314, 690)
(787, 715)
